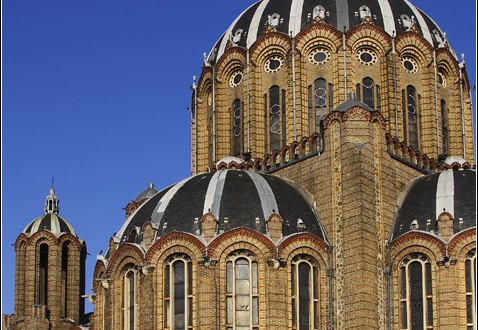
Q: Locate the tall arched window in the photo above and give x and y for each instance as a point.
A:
(410, 116)
(274, 118)
(237, 138)
(317, 103)
(42, 276)
(210, 128)
(416, 302)
(178, 295)
(470, 286)
(129, 300)
(305, 293)
(64, 280)
(367, 88)
(444, 127)
(242, 291)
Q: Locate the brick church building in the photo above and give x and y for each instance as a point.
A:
(333, 186)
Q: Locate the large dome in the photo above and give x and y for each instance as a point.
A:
(237, 198)
(423, 199)
(291, 16)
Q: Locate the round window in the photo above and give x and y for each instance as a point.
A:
(236, 78)
(409, 64)
(319, 56)
(273, 64)
(366, 56)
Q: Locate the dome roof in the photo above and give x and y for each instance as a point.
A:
(148, 193)
(50, 220)
(236, 198)
(423, 199)
(291, 16)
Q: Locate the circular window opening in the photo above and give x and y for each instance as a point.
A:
(409, 64)
(236, 78)
(366, 56)
(273, 64)
(319, 56)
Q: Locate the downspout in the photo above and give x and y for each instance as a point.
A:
(462, 108)
(395, 84)
(345, 66)
(248, 97)
(194, 115)
(436, 101)
(293, 86)
(388, 273)
(213, 116)
(330, 276)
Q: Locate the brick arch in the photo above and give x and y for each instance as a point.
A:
(241, 238)
(414, 44)
(304, 243)
(124, 254)
(368, 35)
(231, 59)
(175, 242)
(318, 34)
(268, 43)
(462, 242)
(43, 235)
(423, 242)
(73, 240)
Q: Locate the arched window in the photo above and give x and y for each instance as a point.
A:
(236, 128)
(178, 301)
(276, 115)
(242, 291)
(367, 93)
(444, 127)
(129, 300)
(210, 128)
(416, 302)
(64, 280)
(318, 103)
(410, 116)
(470, 285)
(367, 88)
(305, 293)
(42, 284)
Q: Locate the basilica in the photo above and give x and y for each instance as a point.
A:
(333, 186)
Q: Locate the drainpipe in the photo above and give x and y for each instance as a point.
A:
(248, 98)
(330, 276)
(388, 273)
(345, 65)
(213, 116)
(462, 108)
(395, 84)
(194, 115)
(436, 101)
(293, 86)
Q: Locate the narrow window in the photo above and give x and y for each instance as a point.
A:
(42, 275)
(470, 285)
(367, 89)
(129, 300)
(412, 117)
(242, 292)
(210, 129)
(274, 118)
(178, 293)
(444, 127)
(305, 293)
(416, 298)
(318, 101)
(236, 128)
(64, 280)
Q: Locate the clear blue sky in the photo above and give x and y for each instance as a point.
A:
(95, 94)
